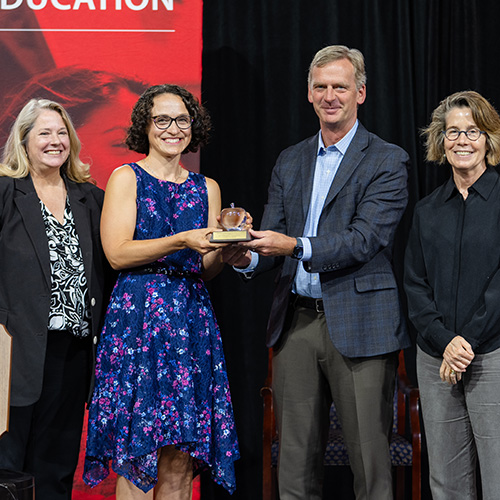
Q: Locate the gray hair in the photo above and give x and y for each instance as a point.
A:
(334, 53)
(484, 115)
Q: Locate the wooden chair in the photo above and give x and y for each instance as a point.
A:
(405, 442)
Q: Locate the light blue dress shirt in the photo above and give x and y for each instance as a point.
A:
(327, 163)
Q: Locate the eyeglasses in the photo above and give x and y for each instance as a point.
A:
(452, 134)
(163, 121)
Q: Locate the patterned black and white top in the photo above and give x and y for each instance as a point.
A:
(69, 298)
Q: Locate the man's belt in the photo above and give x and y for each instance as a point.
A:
(307, 302)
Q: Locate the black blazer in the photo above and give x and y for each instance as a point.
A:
(25, 278)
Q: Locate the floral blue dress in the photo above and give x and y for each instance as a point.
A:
(160, 372)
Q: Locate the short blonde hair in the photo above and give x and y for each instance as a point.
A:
(484, 115)
(334, 53)
(15, 159)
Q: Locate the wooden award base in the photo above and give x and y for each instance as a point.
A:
(5, 364)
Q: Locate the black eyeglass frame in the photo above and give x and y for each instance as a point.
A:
(466, 132)
(154, 118)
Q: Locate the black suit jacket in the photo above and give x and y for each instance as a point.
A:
(25, 277)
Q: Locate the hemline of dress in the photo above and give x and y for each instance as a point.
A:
(103, 466)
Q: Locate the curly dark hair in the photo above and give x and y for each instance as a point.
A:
(137, 135)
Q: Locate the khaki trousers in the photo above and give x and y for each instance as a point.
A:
(308, 373)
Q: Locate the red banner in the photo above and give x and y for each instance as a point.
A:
(95, 57)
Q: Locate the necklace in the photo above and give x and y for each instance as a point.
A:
(150, 171)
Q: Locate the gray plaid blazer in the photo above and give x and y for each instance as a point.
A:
(352, 251)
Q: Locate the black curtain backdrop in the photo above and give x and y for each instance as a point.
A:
(255, 60)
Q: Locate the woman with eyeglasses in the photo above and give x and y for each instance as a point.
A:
(161, 409)
(452, 281)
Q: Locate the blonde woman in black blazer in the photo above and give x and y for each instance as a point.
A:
(52, 293)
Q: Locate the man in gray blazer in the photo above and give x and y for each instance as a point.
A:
(336, 324)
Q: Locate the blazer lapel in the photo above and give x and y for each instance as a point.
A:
(28, 205)
(78, 202)
(307, 164)
(353, 156)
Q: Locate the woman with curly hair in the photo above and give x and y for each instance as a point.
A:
(161, 408)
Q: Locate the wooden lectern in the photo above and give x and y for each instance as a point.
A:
(5, 365)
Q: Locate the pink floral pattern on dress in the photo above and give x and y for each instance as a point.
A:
(161, 376)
